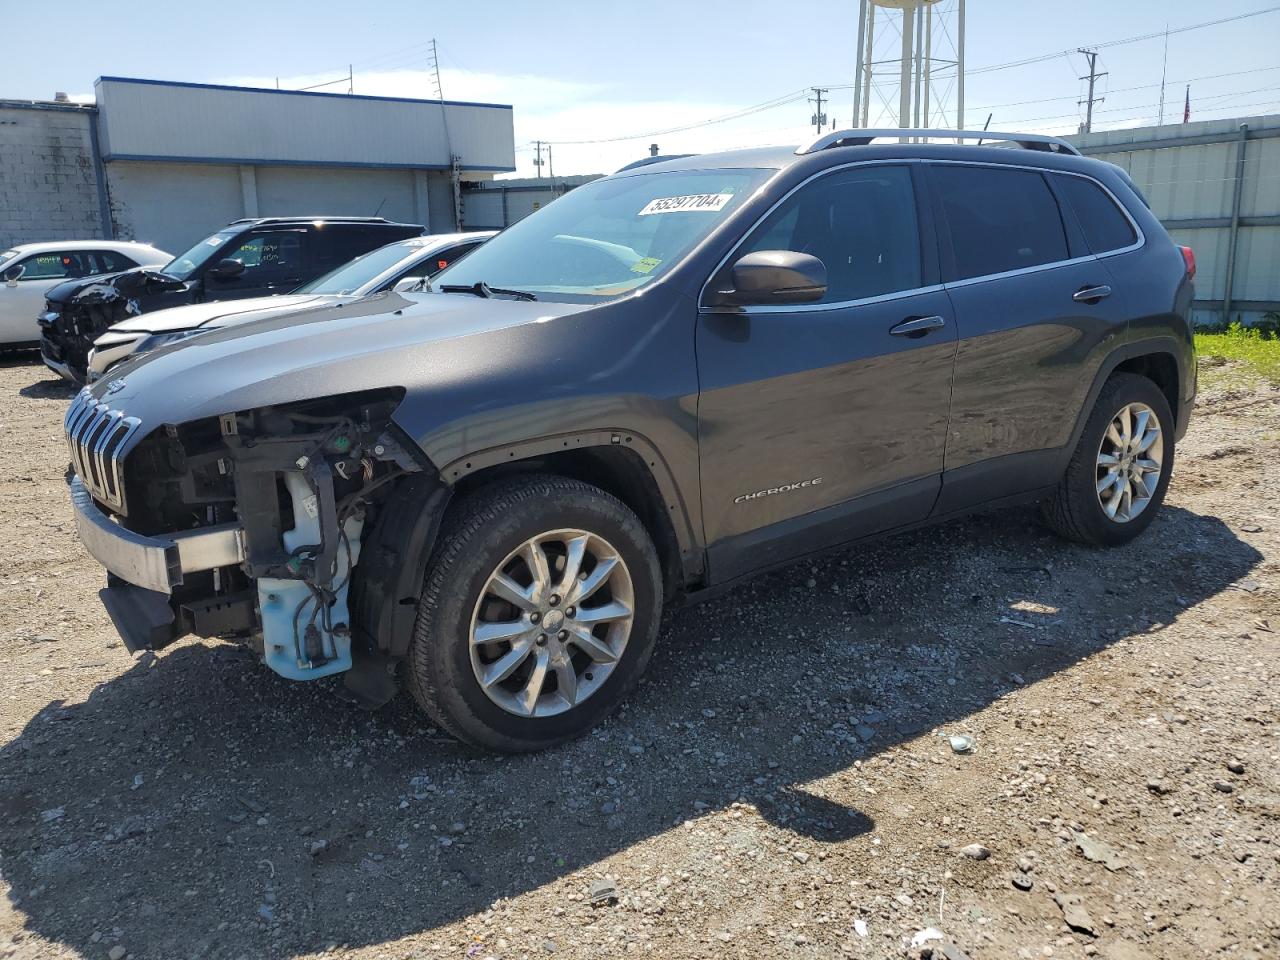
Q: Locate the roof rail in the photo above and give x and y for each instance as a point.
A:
(859, 137)
(304, 219)
(645, 161)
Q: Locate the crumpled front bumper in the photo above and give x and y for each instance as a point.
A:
(153, 563)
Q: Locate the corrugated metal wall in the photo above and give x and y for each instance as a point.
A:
(144, 119)
(1215, 185)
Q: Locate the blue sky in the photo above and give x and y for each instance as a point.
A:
(577, 71)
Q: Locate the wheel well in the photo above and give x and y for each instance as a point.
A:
(619, 471)
(1162, 370)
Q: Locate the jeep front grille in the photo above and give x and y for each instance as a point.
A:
(97, 436)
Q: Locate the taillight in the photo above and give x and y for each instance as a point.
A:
(1189, 258)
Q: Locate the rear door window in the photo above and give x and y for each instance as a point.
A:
(1000, 219)
(109, 261)
(442, 258)
(861, 223)
(1105, 226)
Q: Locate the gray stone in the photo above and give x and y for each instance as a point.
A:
(1074, 913)
(1100, 852)
(603, 892)
(975, 851)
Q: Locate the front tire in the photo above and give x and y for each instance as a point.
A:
(1117, 477)
(539, 614)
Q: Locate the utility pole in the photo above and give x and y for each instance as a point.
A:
(1093, 76)
(1164, 72)
(551, 167)
(435, 70)
(819, 119)
(537, 156)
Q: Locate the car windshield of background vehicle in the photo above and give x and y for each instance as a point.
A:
(183, 266)
(350, 277)
(607, 238)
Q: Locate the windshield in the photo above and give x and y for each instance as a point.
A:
(363, 270)
(7, 256)
(606, 238)
(182, 267)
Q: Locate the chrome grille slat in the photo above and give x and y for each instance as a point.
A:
(96, 435)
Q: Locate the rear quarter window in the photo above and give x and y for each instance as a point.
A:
(1105, 226)
(1000, 219)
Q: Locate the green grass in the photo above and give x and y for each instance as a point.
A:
(1240, 354)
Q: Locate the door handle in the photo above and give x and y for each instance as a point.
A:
(1091, 294)
(917, 326)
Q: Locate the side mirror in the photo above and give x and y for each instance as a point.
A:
(408, 285)
(227, 269)
(771, 277)
(13, 275)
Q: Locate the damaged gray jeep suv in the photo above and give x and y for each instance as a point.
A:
(667, 380)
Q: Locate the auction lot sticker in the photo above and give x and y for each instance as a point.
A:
(701, 202)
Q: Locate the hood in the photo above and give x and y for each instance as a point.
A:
(385, 340)
(218, 314)
(106, 287)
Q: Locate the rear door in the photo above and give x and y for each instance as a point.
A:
(1036, 311)
(822, 422)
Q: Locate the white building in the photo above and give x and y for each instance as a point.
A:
(168, 162)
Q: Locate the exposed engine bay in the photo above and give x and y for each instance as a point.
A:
(78, 312)
(303, 483)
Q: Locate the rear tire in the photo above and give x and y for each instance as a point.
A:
(515, 653)
(1108, 495)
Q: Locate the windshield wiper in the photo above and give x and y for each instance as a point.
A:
(482, 289)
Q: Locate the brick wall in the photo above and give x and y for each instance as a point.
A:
(47, 185)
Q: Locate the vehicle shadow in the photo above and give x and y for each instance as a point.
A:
(197, 806)
(49, 387)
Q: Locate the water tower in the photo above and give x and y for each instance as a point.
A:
(910, 64)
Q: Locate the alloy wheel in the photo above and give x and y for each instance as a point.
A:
(551, 623)
(1130, 462)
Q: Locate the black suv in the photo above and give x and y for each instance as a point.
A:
(248, 258)
(667, 380)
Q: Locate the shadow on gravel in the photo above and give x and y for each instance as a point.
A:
(53, 388)
(19, 357)
(197, 806)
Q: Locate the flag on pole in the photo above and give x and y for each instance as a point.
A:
(1186, 107)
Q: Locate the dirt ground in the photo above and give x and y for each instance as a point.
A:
(779, 786)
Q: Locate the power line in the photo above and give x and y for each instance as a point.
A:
(793, 97)
(1117, 43)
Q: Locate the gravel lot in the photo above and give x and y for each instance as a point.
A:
(778, 786)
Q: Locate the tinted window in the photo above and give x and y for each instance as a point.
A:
(55, 266)
(1105, 227)
(267, 257)
(352, 276)
(108, 261)
(335, 244)
(445, 257)
(861, 223)
(1000, 219)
